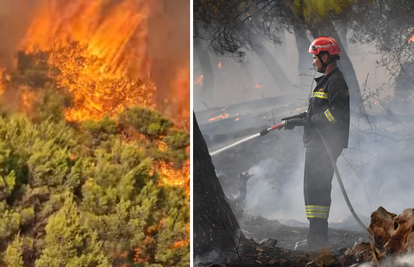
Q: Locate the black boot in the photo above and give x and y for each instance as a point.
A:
(318, 234)
(317, 237)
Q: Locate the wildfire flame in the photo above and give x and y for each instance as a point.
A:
(223, 116)
(219, 65)
(100, 49)
(199, 80)
(94, 47)
(175, 175)
(412, 37)
(98, 46)
(258, 86)
(109, 37)
(1, 80)
(181, 97)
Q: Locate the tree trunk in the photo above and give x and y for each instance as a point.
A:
(207, 90)
(214, 225)
(342, 32)
(305, 59)
(280, 50)
(283, 82)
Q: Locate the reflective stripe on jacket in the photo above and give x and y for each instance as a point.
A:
(329, 111)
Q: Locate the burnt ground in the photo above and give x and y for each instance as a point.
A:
(260, 228)
(259, 251)
(241, 158)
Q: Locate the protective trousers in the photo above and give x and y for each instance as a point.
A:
(317, 190)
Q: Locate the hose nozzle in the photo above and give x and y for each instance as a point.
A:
(265, 131)
(277, 126)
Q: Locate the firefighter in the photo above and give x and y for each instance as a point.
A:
(328, 112)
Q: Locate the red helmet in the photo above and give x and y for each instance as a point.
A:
(324, 43)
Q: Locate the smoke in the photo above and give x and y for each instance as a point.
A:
(270, 196)
(169, 50)
(399, 261)
(216, 254)
(165, 46)
(383, 178)
(15, 17)
(237, 82)
(211, 256)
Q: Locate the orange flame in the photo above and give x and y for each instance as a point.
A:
(172, 175)
(199, 80)
(108, 37)
(412, 37)
(258, 86)
(219, 65)
(1, 80)
(109, 44)
(225, 115)
(237, 119)
(98, 46)
(181, 99)
(179, 244)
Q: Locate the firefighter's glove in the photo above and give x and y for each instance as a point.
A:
(292, 123)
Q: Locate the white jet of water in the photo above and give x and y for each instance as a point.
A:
(239, 142)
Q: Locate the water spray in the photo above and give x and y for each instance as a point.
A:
(261, 133)
(280, 126)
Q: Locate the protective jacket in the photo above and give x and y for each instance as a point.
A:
(329, 111)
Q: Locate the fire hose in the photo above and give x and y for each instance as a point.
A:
(338, 176)
(341, 185)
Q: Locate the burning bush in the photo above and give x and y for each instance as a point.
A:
(90, 173)
(79, 192)
(90, 90)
